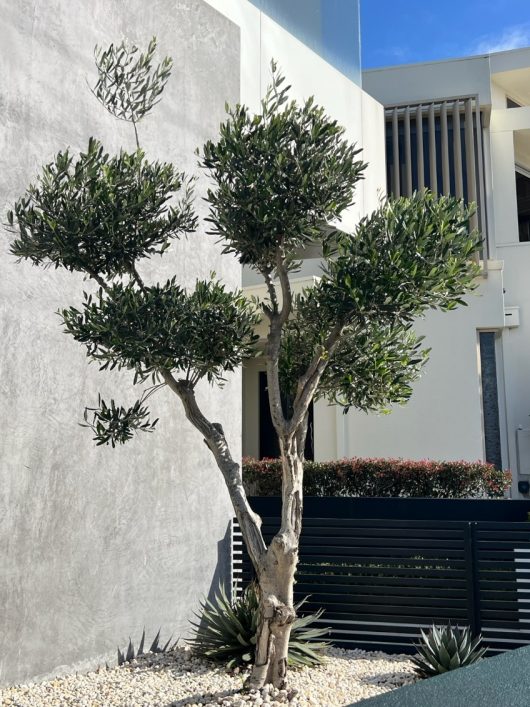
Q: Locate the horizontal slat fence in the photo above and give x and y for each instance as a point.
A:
(381, 579)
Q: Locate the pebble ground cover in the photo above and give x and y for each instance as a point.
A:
(178, 678)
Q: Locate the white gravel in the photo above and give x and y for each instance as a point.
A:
(178, 678)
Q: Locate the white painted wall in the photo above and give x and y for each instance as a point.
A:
(507, 142)
(443, 419)
(516, 347)
(510, 145)
(438, 79)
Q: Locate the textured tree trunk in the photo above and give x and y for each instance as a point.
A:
(276, 579)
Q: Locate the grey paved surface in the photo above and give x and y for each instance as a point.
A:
(501, 681)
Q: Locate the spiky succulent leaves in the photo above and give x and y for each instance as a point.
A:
(142, 641)
(446, 648)
(154, 645)
(199, 334)
(130, 653)
(279, 176)
(225, 631)
(129, 84)
(100, 214)
(304, 647)
(113, 424)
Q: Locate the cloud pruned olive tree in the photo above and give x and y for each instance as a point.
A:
(279, 181)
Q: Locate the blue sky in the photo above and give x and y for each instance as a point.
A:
(406, 31)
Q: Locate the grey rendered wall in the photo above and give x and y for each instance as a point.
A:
(97, 543)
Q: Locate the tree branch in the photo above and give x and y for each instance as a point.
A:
(287, 297)
(101, 282)
(136, 277)
(250, 522)
(136, 134)
(277, 320)
(308, 383)
(274, 309)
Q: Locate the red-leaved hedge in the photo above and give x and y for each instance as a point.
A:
(382, 477)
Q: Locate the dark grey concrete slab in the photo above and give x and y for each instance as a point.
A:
(502, 681)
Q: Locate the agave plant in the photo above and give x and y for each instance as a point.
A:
(225, 631)
(446, 648)
(130, 653)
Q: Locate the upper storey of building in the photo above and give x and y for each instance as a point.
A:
(480, 75)
(462, 127)
(331, 28)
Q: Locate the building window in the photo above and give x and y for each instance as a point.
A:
(522, 183)
(490, 398)
(510, 103)
(269, 447)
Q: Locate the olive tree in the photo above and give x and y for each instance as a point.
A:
(279, 182)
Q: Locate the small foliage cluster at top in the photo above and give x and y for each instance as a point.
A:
(382, 477)
(128, 85)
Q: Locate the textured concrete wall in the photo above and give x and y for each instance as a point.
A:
(95, 544)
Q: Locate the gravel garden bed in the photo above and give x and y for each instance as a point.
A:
(177, 678)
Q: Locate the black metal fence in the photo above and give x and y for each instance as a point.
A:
(384, 568)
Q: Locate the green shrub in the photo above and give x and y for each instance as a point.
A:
(382, 477)
(446, 648)
(225, 631)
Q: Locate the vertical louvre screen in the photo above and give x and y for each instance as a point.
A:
(438, 146)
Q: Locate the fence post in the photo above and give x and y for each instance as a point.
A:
(231, 571)
(472, 577)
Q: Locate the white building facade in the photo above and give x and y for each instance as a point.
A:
(459, 127)
(474, 399)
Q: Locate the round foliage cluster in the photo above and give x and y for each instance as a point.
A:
(99, 214)
(279, 175)
(199, 334)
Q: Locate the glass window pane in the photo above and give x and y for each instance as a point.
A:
(523, 205)
(490, 398)
(329, 27)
